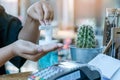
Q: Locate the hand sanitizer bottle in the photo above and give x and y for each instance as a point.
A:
(50, 58)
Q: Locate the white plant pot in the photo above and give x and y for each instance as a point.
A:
(84, 55)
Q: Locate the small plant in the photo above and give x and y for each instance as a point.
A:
(85, 37)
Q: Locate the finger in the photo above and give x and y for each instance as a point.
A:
(47, 12)
(36, 49)
(32, 13)
(40, 50)
(51, 14)
(31, 51)
(38, 56)
(31, 57)
(49, 47)
(60, 45)
(39, 11)
(44, 50)
(34, 57)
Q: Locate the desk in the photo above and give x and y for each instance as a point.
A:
(18, 76)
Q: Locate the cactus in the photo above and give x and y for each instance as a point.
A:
(85, 37)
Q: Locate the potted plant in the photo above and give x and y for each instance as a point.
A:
(85, 48)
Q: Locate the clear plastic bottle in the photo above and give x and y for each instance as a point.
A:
(50, 58)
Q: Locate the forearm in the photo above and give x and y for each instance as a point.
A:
(6, 54)
(30, 31)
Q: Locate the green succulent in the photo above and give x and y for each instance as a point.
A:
(85, 37)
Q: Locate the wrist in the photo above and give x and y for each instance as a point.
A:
(12, 49)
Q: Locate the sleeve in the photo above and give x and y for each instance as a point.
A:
(10, 27)
(12, 31)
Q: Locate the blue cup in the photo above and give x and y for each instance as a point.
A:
(49, 59)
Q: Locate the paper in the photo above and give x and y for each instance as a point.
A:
(116, 76)
(108, 65)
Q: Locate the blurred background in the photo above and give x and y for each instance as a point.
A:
(69, 14)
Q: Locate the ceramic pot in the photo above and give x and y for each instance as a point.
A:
(84, 55)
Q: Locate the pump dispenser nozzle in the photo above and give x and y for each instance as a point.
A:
(48, 32)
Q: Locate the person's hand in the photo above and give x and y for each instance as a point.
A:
(41, 11)
(32, 51)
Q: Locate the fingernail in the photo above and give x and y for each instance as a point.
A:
(60, 45)
(42, 23)
(46, 22)
(49, 21)
(40, 50)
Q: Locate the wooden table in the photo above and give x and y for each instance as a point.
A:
(18, 76)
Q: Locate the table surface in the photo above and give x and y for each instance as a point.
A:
(18, 76)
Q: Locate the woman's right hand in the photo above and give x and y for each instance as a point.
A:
(32, 51)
